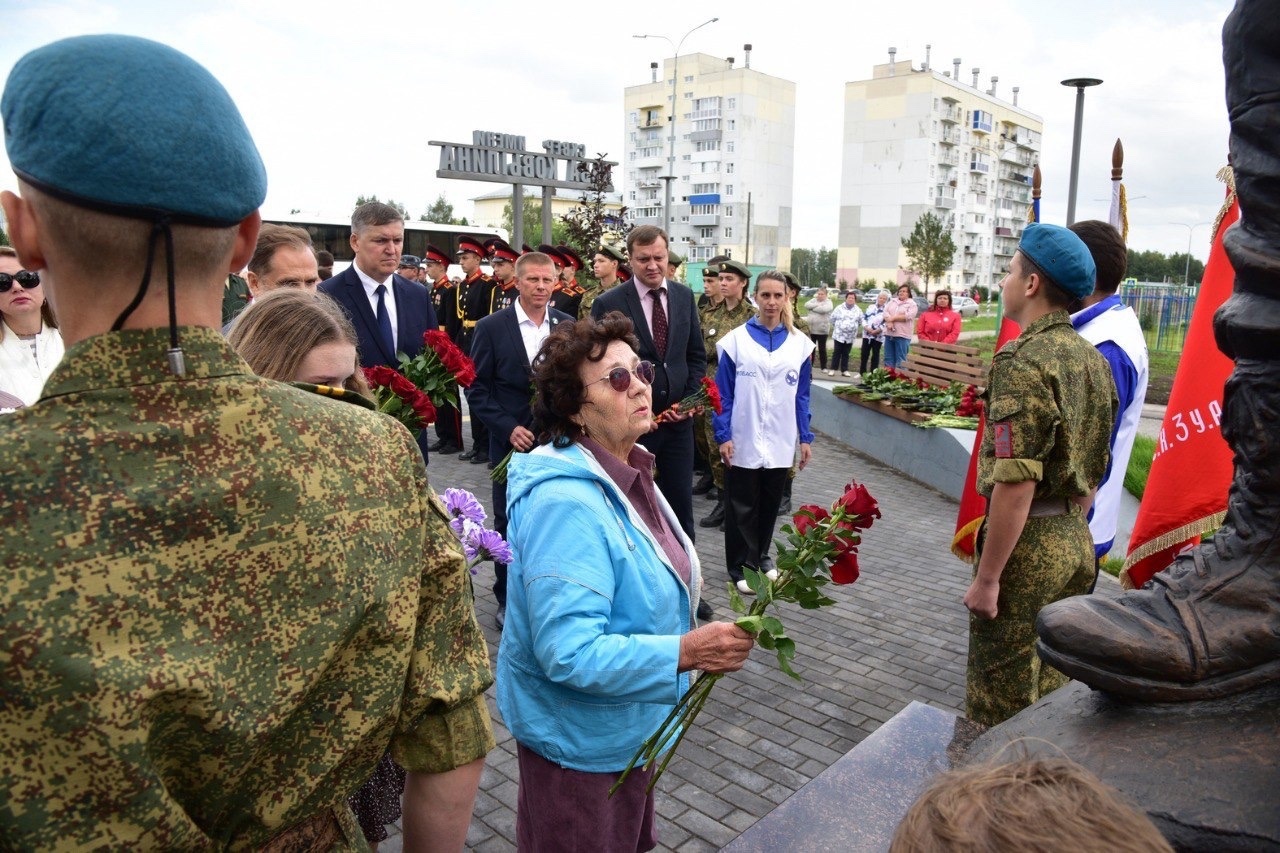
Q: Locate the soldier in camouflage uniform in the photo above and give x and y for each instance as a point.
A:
(719, 319)
(216, 617)
(604, 266)
(1050, 404)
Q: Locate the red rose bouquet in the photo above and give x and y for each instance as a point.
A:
(707, 395)
(400, 398)
(439, 368)
(822, 548)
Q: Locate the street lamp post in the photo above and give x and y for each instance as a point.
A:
(1080, 84)
(671, 139)
(1191, 229)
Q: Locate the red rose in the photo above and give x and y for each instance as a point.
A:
(379, 375)
(402, 387)
(857, 501)
(424, 409)
(845, 569)
(435, 338)
(808, 518)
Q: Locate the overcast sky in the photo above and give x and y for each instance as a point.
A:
(342, 97)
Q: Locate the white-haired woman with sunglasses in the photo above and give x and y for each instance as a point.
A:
(763, 376)
(31, 346)
(599, 641)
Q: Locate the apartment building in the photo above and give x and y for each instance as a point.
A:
(731, 175)
(920, 140)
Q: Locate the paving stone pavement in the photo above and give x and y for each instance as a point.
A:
(898, 634)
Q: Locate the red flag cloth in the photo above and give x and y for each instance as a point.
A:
(973, 506)
(1186, 492)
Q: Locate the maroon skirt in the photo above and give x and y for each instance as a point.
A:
(570, 810)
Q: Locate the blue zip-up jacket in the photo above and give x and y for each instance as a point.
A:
(595, 612)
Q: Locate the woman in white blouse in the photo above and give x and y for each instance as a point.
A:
(30, 346)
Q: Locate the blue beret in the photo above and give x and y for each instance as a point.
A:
(1062, 256)
(132, 127)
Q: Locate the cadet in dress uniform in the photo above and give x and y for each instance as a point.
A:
(503, 260)
(471, 306)
(1050, 406)
(219, 616)
(448, 418)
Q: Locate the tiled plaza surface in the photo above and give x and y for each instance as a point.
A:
(896, 635)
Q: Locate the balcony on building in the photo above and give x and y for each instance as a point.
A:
(706, 135)
(948, 136)
(949, 159)
(982, 121)
(949, 114)
(982, 166)
(1017, 176)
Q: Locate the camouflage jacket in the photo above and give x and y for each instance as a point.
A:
(1050, 402)
(717, 321)
(221, 598)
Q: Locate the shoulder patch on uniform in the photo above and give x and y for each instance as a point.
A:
(1003, 439)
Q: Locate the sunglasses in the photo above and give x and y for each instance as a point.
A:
(26, 278)
(620, 378)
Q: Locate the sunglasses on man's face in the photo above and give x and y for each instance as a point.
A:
(26, 278)
(620, 378)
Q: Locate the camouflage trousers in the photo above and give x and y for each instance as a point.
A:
(704, 435)
(1052, 560)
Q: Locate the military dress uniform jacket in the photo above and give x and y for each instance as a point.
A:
(215, 616)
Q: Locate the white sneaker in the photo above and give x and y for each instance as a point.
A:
(744, 588)
(829, 372)
(772, 574)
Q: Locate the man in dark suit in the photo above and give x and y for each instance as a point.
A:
(389, 312)
(503, 348)
(666, 322)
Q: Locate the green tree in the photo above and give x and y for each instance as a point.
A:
(397, 205)
(814, 266)
(533, 223)
(1155, 266)
(930, 249)
(591, 222)
(4, 238)
(441, 212)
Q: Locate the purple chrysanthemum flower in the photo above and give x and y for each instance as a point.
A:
(482, 544)
(462, 504)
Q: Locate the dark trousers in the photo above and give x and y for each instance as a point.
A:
(449, 425)
(479, 437)
(500, 525)
(840, 358)
(752, 497)
(870, 349)
(820, 341)
(672, 448)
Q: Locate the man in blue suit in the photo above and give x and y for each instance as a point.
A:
(665, 317)
(503, 348)
(389, 312)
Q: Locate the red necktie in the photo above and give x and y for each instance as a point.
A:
(659, 323)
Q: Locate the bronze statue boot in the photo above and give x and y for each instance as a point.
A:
(1205, 627)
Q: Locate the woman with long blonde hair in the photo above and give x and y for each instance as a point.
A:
(763, 375)
(296, 336)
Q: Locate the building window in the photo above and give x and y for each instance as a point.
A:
(707, 145)
(633, 118)
(707, 103)
(728, 190)
(728, 147)
(703, 209)
(686, 156)
(705, 188)
(732, 103)
(688, 96)
(688, 78)
(728, 232)
(728, 210)
(706, 124)
(728, 167)
(732, 124)
(706, 232)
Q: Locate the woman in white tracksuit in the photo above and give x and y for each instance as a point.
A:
(763, 377)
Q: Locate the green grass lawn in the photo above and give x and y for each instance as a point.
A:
(1135, 476)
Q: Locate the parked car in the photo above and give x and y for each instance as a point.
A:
(966, 306)
(806, 292)
(869, 298)
(921, 303)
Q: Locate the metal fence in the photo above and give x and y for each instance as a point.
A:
(1164, 312)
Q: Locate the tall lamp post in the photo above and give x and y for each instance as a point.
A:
(671, 139)
(1080, 84)
(1191, 229)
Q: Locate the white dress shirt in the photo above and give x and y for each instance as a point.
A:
(371, 291)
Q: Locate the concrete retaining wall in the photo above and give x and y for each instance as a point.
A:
(936, 457)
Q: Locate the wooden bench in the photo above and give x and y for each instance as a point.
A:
(941, 364)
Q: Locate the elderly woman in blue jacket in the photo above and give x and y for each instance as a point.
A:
(599, 642)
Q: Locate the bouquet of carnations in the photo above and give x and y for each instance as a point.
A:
(822, 547)
(439, 368)
(707, 395)
(397, 396)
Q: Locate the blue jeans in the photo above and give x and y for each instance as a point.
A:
(895, 351)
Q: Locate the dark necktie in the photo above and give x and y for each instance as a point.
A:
(659, 323)
(384, 321)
